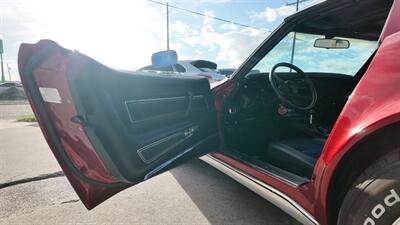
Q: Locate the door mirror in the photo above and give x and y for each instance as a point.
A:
(331, 43)
(164, 58)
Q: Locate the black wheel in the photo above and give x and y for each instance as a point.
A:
(374, 198)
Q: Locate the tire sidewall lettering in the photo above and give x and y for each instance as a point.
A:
(379, 210)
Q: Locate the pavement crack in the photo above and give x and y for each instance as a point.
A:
(70, 201)
(31, 179)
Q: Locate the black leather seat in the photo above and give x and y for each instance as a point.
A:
(296, 155)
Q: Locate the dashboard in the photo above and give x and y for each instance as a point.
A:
(256, 99)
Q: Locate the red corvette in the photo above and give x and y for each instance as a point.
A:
(310, 121)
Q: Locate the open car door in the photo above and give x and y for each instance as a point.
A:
(109, 129)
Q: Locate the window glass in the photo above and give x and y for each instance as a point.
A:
(208, 70)
(311, 59)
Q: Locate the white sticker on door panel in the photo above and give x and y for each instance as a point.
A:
(50, 95)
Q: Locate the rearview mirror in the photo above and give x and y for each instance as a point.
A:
(331, 43)
(164, 58)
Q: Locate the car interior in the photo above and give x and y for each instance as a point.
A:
(278, 121)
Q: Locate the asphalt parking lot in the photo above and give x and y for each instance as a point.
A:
(34, 191)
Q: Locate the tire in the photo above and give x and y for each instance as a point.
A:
(374, 198)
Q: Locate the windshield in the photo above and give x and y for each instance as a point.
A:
(311, 59)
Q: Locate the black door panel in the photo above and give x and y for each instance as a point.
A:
(165, 109)
(110, 129)
(145, 121)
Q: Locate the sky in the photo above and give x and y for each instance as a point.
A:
(123, 34)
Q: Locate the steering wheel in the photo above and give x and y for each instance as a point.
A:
(292, 93)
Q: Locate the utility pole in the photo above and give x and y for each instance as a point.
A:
(297, 2)
(200, 14)
(1, 60)
(294, 36)
(294, 39)
(9, 74)
(167, 26)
